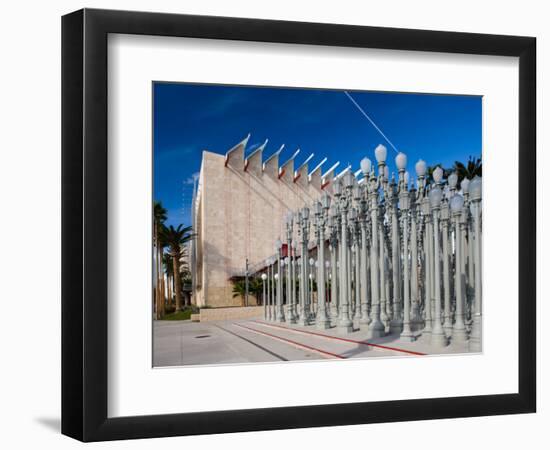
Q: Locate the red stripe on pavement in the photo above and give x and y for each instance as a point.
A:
(299, 344)
(353, 341)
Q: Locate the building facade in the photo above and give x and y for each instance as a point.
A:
(238, 214)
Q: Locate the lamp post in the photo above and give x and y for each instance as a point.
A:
(311, 272)
(280, 315)
(445, 217)
(290, 315)
(376, 327)
(269, 288)
(264, 277)
(355, 231)
(304, 318)
(321, 214)
(438, 338)
(293, 264)
(417, 195)
(475, 189)
(333, 223)
(459, 328)
(395, 191)
(344, 322)
(427, 240)
(366, 166)
(405, 204)
(273, 288)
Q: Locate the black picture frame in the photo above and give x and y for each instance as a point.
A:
(84, 224)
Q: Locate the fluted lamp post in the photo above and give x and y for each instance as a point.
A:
(280, 315)
(264, 277)
(311, 262)
(321, 215)
(459, 328)
(290, 315)
(366, 167)
(438, 338)
(344, 322)
(475, 189)
(304, 318)
(269, 288)
(333, 222)
(376, 327)
(405, 204)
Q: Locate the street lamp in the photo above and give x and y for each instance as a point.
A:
(264, 277)
(459, 328)
(438, 338)
(452, 180)
(304, 318)
(280, 315)
(475, 196)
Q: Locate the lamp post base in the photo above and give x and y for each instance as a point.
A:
(474, 345)
(407, 336)
(377, 329)
(323, 324)
(396, 326)
(438, 338)
(290, 316)
(459, 336)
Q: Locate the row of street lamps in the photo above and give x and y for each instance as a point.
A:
(402, 259)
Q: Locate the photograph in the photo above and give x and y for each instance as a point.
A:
(299, 224)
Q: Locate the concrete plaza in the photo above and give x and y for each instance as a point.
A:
(181, 343)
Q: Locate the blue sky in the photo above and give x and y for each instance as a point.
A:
(189, 118)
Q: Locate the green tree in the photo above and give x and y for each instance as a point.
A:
(159, 217)
(176, 238)
(469, 170)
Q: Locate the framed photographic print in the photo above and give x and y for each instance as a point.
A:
(273, 224)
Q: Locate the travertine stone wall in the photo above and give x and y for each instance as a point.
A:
(241, 214)
(250, 312)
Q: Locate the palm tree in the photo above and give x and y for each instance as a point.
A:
(169, 270)
(255, 288)
(176, 238)
(239, 288)
(470, 170)
(159, 217)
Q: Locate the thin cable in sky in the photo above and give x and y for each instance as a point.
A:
(371, 121)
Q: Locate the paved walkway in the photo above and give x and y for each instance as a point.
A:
(180, 343)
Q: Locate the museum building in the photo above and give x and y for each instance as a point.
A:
(238, 213)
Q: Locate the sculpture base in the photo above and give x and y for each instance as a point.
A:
(474, 345)
(459, 336)
(376, 329)
(407, 337)
(396, 327)
(438, 339)
(345, 329)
